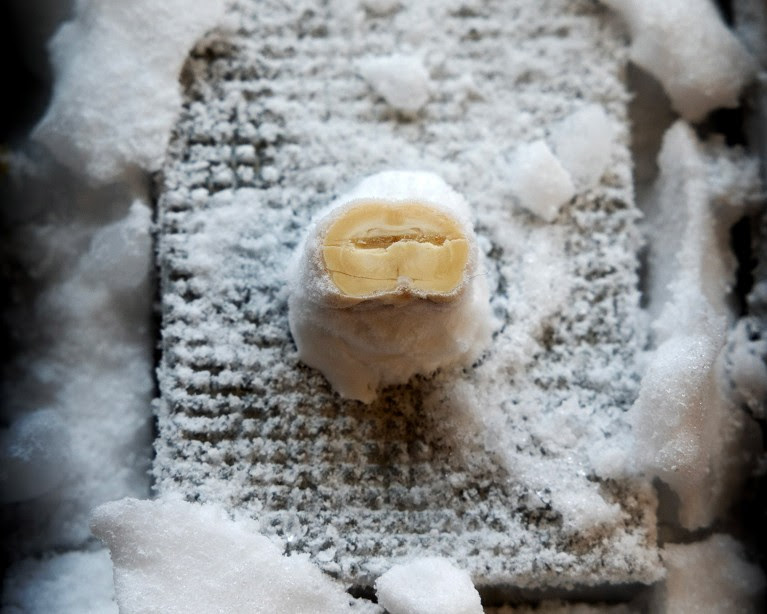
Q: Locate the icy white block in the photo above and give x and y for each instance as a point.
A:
(401, 80)
(711, 576)
(680, 424)
(362, 342)
(583, 144)
(688, 48)
(700, 191)
(34, 454)
(116, 91)
(70, 583)
(687, 432)
(539, 180)
(425, 586)
(176, 557)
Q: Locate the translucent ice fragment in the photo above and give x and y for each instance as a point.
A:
(428, 585)
(539, 181)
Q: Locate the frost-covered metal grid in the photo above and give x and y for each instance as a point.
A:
(492, 466)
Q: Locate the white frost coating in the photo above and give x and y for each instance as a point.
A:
(401, 80)
(116, 91)
(710, 576)
(363, 345)
(687, 433)
(70, 583)
(583, 143)
(34, 454)
(539, 180)
(174, 557)
(688, 48)
(427, 585)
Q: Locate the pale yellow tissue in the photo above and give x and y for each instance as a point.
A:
(377, 248)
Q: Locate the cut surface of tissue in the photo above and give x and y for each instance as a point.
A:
(105, 116)
(385, 285)
(427, 585)
(176, 557)
(687, 47)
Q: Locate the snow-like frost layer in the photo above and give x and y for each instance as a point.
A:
(709, 576)
(173, 557)
(687, 432)
(539, 181)
(116, 91)
(365, 346)
(427, 585)
(401, 80)
(688, 48)
(71, 583)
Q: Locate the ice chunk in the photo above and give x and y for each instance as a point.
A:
(401, 80)
(427, 585)
(106, 116)
(583, 144)
(688, 48)
(687, 432)
(70, 583)
(34, 454)
(709, 576)
(539, 181)
(681, 425)
(176, 557)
